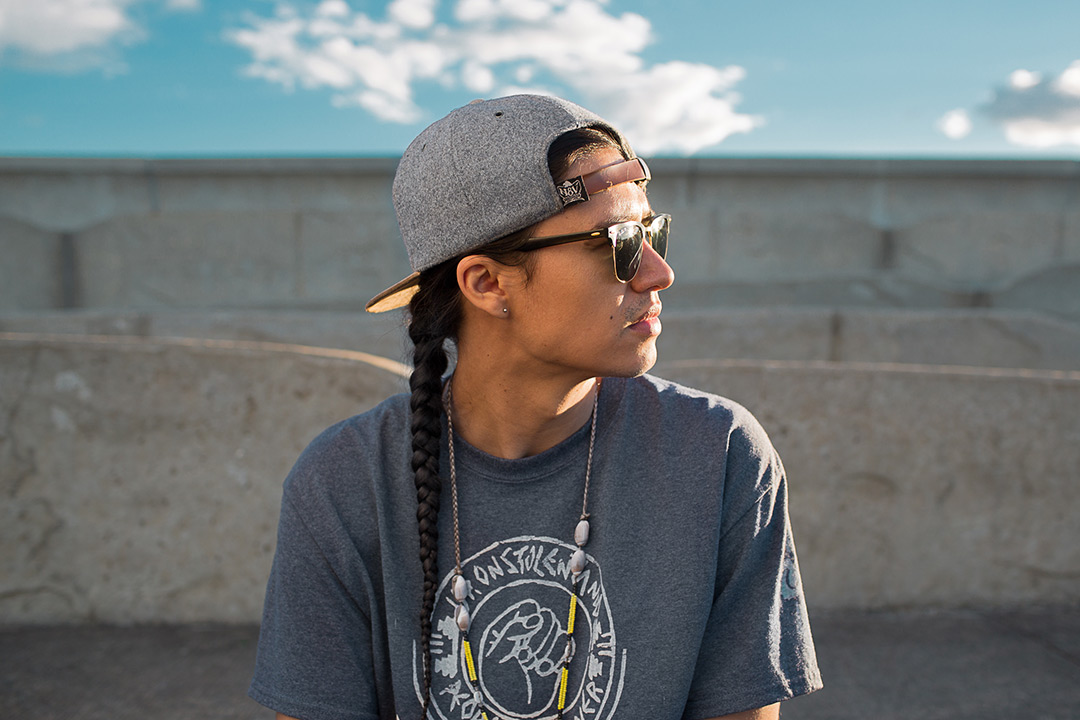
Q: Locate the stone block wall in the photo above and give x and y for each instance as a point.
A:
(306, 234)
(141, 479)
(883, 233)
(920, 486)
(908, 332)
(979, 337)
(198, 234)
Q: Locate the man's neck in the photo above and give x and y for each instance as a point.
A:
(512, 415)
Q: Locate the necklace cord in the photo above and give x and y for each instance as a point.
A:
(453, 476)
(577, 565)
(588, 463)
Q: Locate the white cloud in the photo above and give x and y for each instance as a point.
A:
(576, 48)
(468, 11)
(51, 27)
(1036, 133)
(184, 5)
(1068, 83)
(524, 73)
(333, 8)
(416, 14)
(478, 77)
(71, 35)
(675, 106)
(955, 124)
(1036, 111)
(1024, 79)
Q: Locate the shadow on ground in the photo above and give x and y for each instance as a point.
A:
(886, 666)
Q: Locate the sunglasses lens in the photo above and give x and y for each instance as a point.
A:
(658, 232)
(628, 246)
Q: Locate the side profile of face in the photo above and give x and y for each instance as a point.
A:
(573, 315)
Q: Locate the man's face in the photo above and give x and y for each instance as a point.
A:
(573, 315)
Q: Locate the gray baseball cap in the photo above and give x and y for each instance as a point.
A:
(479, 174)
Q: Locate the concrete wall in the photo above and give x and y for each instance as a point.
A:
(917, 485)
(140, 481)
(381, 334)
(141, 456)
(140, 478)
(986, 338)
(978, 337)
(155, 234)
(875, 232)
(321, 233)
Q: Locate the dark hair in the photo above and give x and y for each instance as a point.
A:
(434, 317)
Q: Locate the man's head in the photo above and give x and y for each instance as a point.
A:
(482, 173)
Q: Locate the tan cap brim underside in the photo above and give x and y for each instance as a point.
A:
(397, 295)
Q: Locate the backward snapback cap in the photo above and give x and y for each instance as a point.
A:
(477, 175)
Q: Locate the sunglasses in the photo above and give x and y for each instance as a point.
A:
(627, 242)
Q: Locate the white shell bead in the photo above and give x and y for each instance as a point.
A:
(461, 617)
(461, 588)
(581, 533)
(577, 562)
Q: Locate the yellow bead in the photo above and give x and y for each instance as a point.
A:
(573, 613)
(562, 689)
(467, 649)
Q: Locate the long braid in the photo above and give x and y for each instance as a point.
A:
(434, 318)
(435, 315)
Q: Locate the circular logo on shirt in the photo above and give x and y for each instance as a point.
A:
(520, 602)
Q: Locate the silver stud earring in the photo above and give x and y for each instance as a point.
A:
(505, 310)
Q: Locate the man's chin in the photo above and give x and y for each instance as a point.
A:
(645, 361)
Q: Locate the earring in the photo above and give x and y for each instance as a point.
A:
(505, 311)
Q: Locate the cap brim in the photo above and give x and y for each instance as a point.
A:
(397, 295)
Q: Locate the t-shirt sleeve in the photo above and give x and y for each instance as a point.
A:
(757, 648)
(314, 659)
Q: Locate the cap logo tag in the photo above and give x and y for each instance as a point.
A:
(573, 191)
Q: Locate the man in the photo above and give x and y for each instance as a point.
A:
(616, 546)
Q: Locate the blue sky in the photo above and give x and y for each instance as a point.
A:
(952, 78)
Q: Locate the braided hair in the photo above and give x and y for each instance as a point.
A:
(435, 314)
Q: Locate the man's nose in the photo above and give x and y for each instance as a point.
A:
(654, 272)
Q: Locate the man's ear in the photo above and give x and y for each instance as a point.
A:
(486, 283)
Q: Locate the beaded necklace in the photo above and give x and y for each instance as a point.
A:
(577, 564)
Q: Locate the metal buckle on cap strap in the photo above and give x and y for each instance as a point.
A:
(579, 189)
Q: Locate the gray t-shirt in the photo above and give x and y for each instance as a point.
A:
(690, 607)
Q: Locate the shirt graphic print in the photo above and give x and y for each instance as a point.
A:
(519, 600)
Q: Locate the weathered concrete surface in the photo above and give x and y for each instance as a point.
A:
(30, 274)
(183, 233)
(967, 224)
(872, 233)
(920, 485)
(945, 666)
(967, 665)
(321, 233)
(128, 673)
(975, 337)
(141, 480)
(381, 334)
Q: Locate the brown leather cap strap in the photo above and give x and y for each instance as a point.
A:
(579, 189)
(630, 170)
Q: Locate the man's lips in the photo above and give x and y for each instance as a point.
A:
(649, 321)
(652, 312)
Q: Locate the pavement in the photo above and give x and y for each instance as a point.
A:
(957, 664)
